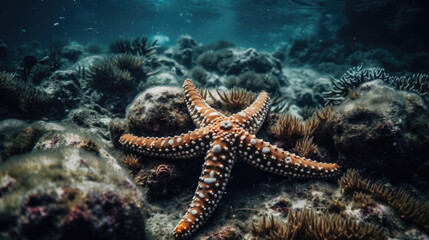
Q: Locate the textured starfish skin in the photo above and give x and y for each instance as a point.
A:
(223, 140)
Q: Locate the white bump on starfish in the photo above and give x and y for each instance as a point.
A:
(216, 149)
(266, 150)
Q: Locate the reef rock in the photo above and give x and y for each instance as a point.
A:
(382, 130)
(158, 111)
(68, 193)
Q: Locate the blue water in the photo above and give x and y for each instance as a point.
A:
(259, 24)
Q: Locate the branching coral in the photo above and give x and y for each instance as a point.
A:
(230, 101)
(308, 225)
(287, 126)
(136, 46)
(408, 207)
(305, 147)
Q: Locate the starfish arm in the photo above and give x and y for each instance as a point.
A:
(188, 145)
(211, 187)
(202, 114)
(273, 159)
(253, 116)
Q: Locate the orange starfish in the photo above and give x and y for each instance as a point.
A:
(223, 140)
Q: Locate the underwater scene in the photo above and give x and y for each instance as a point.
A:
(214, 120)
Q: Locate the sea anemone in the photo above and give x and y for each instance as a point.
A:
(309, 225)
(136, 46)
(408, 207)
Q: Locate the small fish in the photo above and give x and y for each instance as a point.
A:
(90, 29)
(62, 18)
(23, 29)
(56, 24)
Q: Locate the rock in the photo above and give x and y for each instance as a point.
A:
(235, 62)
(382, 130)
(17, 137)
(73, 51)
(158, 111)
(164, 78)
(186, 41)
(68, 193)
(63, 88)
(93, 118)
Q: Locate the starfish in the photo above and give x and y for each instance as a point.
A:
(223, 140)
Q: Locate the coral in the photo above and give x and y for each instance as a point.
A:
(417, 83)
(374, 131)
(352, 79)
(308, 225)
(255, 82)
(68, 193)
(89, 145)
(160, 181)
(225, 233)
(307, 112)
(113, 81)
(233, 100)
(363, 199)
(131, 161)
(132, 64)
(136, 46)
(199, 75)
(306, 148)
(38, 73)
(356, 76)
(407, 206)
(23, 95)
(106, 76)
(287, 126)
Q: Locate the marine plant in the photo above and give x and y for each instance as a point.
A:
(25, 95)
(255, 81)
(307, 224)
(105, 75)
(120, 72)
(410, 208)
(355, 76)
(135, 46)
(38, 73)
(305, 147)
(199, 75)
(287, 127)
